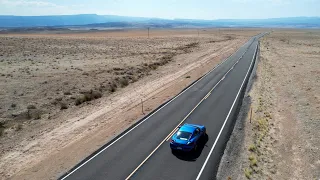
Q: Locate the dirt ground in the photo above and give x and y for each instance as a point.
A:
(282, 141)
(65, 94)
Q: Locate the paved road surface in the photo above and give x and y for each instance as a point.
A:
(143, 152)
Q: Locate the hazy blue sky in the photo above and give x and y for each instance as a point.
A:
(197, 9)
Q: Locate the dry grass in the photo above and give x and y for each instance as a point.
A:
(252, 148)
(253, 160)
(286, 106)
(248, 172)
(43, 74)
(52, 71)
(67, 67)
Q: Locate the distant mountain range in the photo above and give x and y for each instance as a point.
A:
(113, 21)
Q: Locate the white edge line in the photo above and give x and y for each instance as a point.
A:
(133, 128)
(68, 174)
(171, 134)
(225, 121)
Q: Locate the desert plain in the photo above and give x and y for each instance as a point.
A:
(63, 95)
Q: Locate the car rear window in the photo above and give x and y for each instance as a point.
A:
(183, 135)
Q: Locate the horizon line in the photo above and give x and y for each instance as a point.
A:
(176, 18)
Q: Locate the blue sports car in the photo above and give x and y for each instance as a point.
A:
(187, 137)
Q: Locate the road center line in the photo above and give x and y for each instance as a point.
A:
(95, 155)
(164, 140)
(176, 128)
(171, 134)
(225, 121)
(146, 118)
(207, 95)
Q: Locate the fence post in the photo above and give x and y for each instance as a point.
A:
(142, 106)
(250, 114)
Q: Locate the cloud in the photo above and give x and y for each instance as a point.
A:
(37, 8)
(275, 2)
(28, 3)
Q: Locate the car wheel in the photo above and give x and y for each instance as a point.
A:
(204, 138)
(204, 135)
(195, 147)
(204, 131)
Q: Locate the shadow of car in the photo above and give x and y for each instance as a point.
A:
(192, 155)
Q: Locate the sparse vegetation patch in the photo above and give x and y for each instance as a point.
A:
(87, 96)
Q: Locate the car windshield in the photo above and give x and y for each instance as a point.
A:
(183, 135)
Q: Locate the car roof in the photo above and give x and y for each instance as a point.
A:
(188, 128)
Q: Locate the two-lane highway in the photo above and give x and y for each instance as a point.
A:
(143, 151)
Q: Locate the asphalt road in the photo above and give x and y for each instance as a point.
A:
(143, 151)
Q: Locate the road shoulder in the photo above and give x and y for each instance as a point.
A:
(280, 141)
